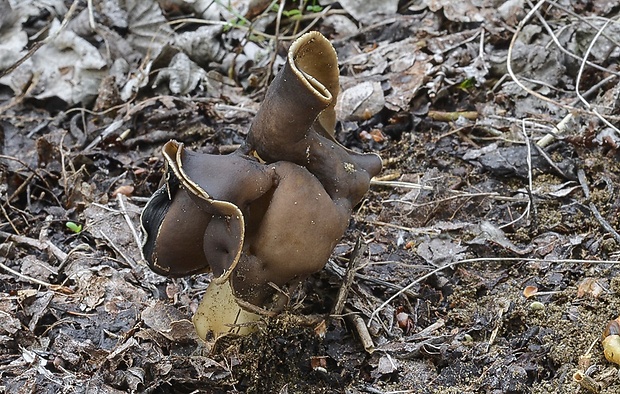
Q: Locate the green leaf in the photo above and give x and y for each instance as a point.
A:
(291, 13)
(76, 228)
(467, 84)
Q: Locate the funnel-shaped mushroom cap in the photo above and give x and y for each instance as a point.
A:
(196, 220)
(296, 122)
(304, 88)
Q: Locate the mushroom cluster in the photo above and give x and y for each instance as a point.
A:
(268, 215)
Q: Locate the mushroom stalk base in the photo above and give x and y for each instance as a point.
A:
(219, 314)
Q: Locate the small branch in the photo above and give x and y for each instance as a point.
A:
(362, 330)
(452, 116)
(604, 223)
(41, 245)
(59, 288)
(354, 261)
(121, 203)
(63, 25)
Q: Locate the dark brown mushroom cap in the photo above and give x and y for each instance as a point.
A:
(195, 222)
(295, 238)
(296, 122)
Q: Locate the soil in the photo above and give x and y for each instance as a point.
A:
(489, 261)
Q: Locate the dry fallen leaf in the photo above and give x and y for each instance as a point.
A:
(529, 291)
(126, 190)
(590, 287)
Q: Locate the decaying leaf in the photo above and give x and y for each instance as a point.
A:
(360, 101)
(441, 251)
(182, 75)
(592, 287)
(364, 10)
(69, 67)
(488, 232)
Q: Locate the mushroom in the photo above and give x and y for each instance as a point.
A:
(195, 221)
(296, 122)
(261, 226)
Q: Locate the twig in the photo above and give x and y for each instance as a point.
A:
(586, 382)
(429, 231)
(582, 19)
(63, 25)
(479, 260)
(136, 236)
(361, 328)
(41, 245)
(132, 264)
(561, 127)
(604, 223)
(530, 201)
(354, 262)
(566, 51)
(443, 116)
(406, 185)
(318, 17)
(59, 288)
(91, 16)
(6, 216)
(579, 75)
(519, 83)
(47, 187)
(337, 270)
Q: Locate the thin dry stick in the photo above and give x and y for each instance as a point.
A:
(586, 191)
(566, 51)
(276, 40)
(578, 81)
(8, 218)
(520, 84)
(354, 262)
(509, 59)
(41, 245)
(429, 231)
(584, 20)
(63, 25)
(25, 277)
(530, 187)
(136, 236)
(53, 287)
(562, 126)
(361, 328)
(132, 264)
(336, 269)
(318, 17)
(47, 188)
(406, 185)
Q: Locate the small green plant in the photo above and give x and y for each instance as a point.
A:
(314, 7)
(296, 13)
(467, 84)
(75, 227)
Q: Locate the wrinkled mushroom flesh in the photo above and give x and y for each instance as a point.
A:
(261, 226)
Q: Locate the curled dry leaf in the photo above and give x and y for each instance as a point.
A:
(126, 190)
(530, 291)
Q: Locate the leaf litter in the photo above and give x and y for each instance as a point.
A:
(470, 212)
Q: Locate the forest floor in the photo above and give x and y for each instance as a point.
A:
(489, 244)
